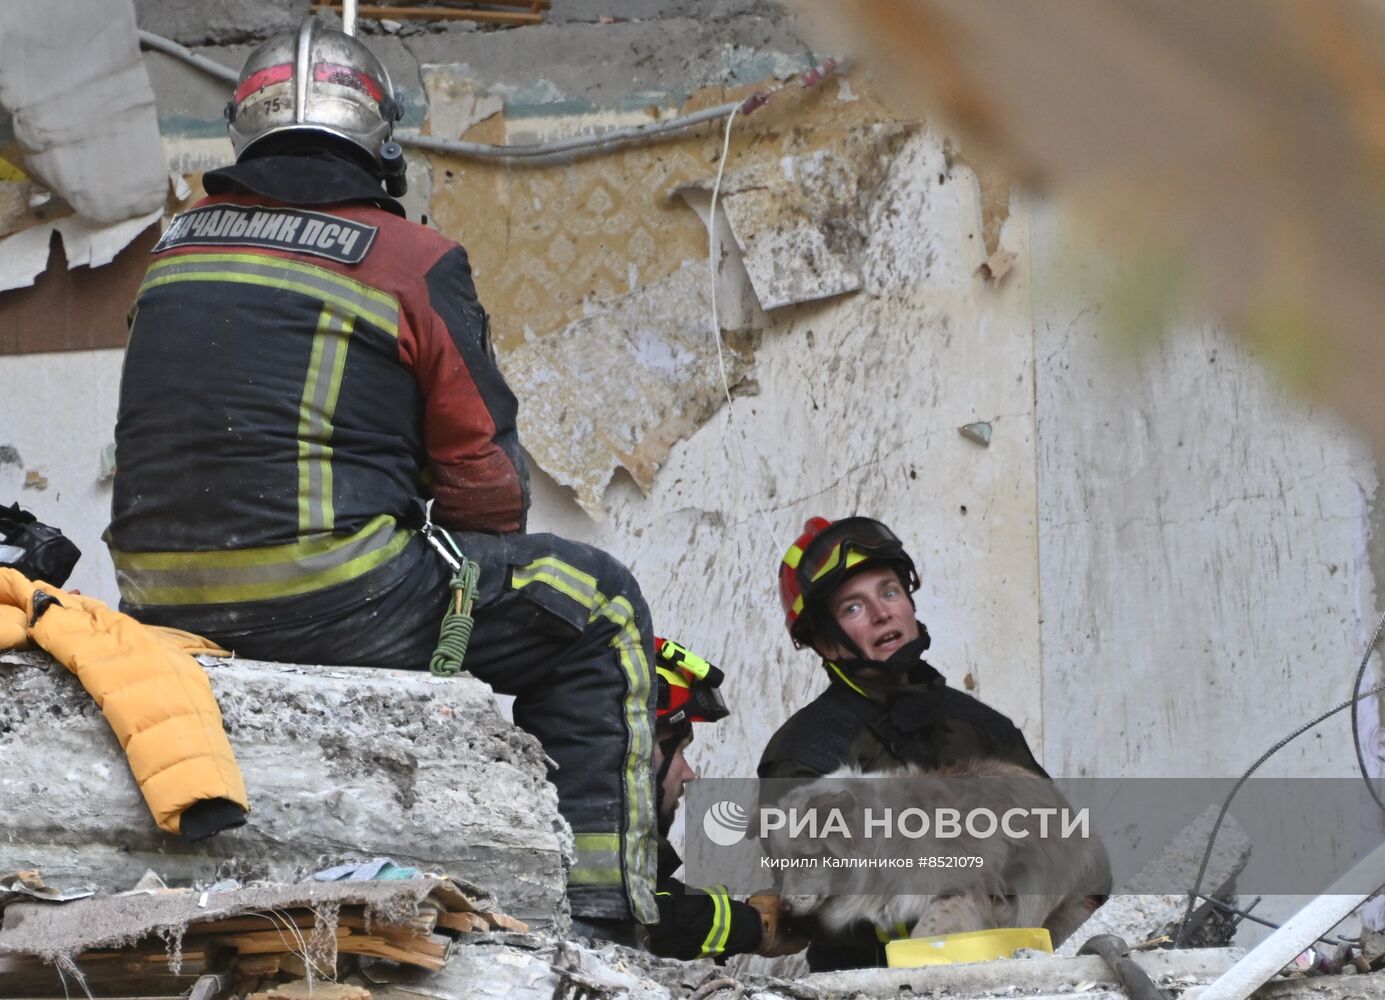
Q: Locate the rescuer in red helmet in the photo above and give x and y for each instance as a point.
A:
(847, 589)
(698, 923)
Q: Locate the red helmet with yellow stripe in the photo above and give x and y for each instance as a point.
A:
(826, 554)
(687, 686)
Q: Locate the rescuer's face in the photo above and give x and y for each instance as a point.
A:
(873, 609)
(680, 772)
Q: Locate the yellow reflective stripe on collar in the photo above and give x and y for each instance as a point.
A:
(841, 675)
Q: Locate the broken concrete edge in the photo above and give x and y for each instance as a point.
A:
(343, 764)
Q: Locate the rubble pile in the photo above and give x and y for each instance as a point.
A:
(464, 897)
(340, 762)
(240, 935)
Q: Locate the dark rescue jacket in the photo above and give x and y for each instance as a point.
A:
(305, 368)
(924, 723)
(699, 923)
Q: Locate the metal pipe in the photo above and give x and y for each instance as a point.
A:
(172, 48)
(538, 153)
(1116, 953)
(348, 17)
(535, 154)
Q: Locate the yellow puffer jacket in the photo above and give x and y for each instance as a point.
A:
(156, 697)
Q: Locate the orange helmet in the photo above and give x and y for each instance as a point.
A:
(827, 553)
(687, 686)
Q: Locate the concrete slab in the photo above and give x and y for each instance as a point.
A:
(188, 22)
(340, 763)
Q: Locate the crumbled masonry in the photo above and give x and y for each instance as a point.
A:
(349, 762)
(341, 762)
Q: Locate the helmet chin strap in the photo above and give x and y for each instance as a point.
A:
(668, 746)
(899, 662)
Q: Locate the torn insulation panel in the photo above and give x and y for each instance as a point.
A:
(24, 255)
(618, 388)
(83, 111)
(801, 222)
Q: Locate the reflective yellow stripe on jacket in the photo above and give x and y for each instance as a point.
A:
(344, 303)
(720, 932)
(237, 575)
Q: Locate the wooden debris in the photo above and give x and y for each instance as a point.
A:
(251, 966)
(110, 974)
(250, 947)
(463, 922)
(294, 965)
(504, 922)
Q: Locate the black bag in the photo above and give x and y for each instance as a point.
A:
(35, 549)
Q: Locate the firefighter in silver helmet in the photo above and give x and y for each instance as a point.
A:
(307, 371)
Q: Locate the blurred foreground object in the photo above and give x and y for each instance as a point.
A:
(1240, 147)
(72, 75)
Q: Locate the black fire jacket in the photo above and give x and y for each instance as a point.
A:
(924, 723)
(305, 368)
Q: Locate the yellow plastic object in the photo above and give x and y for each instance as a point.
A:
(973, 946)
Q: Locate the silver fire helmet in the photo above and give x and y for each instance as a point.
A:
(316, 80)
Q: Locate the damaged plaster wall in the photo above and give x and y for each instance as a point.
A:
(859, 403)
(1204, 541)
(57, 417)
(1119, 635)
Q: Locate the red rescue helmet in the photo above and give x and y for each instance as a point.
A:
(826, 554)
(687, 686)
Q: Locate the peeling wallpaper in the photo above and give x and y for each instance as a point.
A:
(549, 242)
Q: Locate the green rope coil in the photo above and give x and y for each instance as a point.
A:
(455, 634)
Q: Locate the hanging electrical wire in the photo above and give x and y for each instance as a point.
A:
(1356, 696)
(713, 261)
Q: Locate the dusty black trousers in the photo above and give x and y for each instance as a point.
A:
(560, 625)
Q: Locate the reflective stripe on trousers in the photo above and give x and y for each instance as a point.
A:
(604, 854)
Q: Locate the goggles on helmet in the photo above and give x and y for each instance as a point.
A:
(687, 686)
(825, 554)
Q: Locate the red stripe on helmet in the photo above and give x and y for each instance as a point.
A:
(347, 76)
(263, 78)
